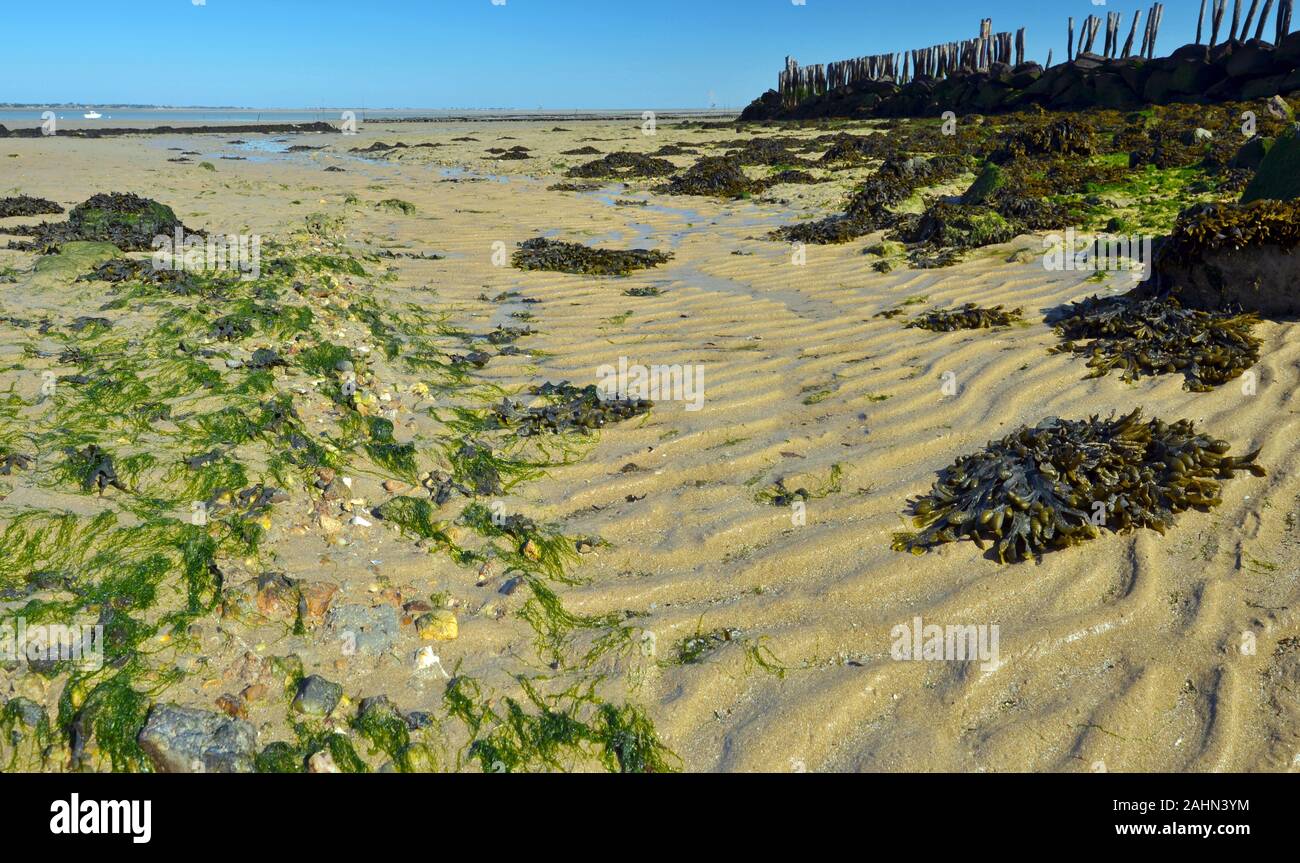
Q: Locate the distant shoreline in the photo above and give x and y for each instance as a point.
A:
(92, 129)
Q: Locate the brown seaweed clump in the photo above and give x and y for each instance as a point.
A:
(1059, 483)
(1230, 227)
(560, 257)
(25, 205)
(968, 317)
(567, 409)
(1064, 136)
(1158, 336)
(619, 166)
(715, 176)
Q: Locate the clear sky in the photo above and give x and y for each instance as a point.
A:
(483, 53)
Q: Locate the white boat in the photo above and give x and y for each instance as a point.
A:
(92, 115)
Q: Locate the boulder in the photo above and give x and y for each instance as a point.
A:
(1278, 177)
(1200, 53)
(986, 184)
(1251, 60)
(1288, 50)
(1232, 255)
(1252, 153)
(189, 740)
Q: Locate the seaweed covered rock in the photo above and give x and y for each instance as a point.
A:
(1158, 336)
(128, 221)
(715, 176)
(1232, 256)
(1061, 482)
(1062, 136)
(991, 180)
(25, 205)
(766, 151)
(968, 317)
(957, 226)
(619, 166)
(561, 257)
(868, 208)
(1278, 177)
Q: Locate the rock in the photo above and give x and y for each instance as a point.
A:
(188, 740)
(322, 762)
(1278, 177)
(317, 696)
(1252, 153)
(362, 629)
(1279, 108)
(1250, 60)
(276, 597)
(1288, 50)
(73, 259)
(1262, 88)
(26, 711)
(1194, 51)
(437, 626)
(989, 181)
(1229, 255)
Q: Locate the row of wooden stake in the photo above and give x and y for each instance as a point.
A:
(796, 82)
(938, 61)
(1240, 31)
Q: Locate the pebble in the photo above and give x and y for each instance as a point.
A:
(317, 696)
(438, 626)
(322, 762)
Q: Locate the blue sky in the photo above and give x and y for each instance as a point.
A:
(474, 54)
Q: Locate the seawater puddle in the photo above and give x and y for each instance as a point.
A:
(748, 217)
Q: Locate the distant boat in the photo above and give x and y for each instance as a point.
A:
(92, 115)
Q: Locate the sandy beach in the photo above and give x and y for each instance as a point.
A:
(754, 637)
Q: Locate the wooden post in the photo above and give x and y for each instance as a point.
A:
(1250, 19)
(1263, 19)
(1283, 20)
(1049, 59)
(1200, 23)
(1132, 33)
(1069, 45)
(1156, 15)
(1236, 20)
(1217, 21)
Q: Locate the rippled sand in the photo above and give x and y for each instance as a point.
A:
(1122, 654)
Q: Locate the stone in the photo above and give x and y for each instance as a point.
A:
(990, 180)
(317, 696)
(1252, 153)
(362, 629)
(189, 740)
(322, 762)
(1278, 177)
(438, 626)
(1232, 255)
(1250, 60)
